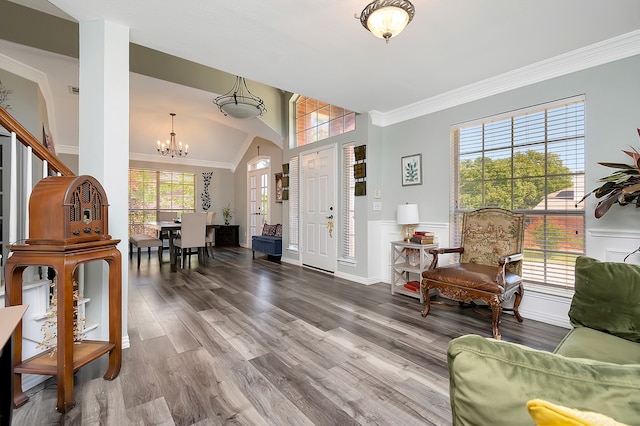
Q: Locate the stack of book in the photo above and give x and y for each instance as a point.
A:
(423, 237)
(412, 285)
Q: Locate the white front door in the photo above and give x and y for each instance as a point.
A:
(258, 182)
(318, 206)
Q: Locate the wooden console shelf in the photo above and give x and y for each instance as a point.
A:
(69, 356)
(83, 353)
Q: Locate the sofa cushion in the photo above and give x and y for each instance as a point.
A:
(491, 381)
(607, 298)
(583, 342)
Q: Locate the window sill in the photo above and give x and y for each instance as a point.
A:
(348, 262)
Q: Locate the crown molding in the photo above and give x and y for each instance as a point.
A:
(155, 158)
(187, 161)
(38, 77)
(613, 49)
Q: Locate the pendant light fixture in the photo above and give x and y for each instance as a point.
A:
(239, 102)
(387, 18)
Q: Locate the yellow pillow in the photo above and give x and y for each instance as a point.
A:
(545, 413)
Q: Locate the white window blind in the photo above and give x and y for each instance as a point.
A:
(153, 191)
(293, 203)
(530, 161)
(348, 247)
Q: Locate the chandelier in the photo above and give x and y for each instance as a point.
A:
(171, 147)
(387, 18)
(239, 102)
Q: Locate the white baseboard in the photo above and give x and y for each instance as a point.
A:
(355, 278)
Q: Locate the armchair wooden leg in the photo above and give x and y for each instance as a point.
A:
(496, 310)
(516, 303)
(427, 300)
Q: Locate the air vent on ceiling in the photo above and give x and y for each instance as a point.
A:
(74, 90)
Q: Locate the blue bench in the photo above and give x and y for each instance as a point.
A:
(270, 245)
(270, 242)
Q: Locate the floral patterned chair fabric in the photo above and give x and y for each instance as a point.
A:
(490, 265)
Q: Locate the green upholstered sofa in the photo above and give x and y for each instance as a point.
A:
(596, 367)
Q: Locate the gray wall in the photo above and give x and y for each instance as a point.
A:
(612, 113)
(612, 93)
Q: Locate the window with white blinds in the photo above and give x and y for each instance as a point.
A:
(293, 203)
(348, 247)
(530, 161)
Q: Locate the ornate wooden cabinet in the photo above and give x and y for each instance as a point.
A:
(68, 225)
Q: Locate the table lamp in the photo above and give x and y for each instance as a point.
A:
(407, 215)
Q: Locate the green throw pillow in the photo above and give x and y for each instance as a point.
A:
(607, 298)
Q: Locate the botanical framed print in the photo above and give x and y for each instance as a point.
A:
(412, 170)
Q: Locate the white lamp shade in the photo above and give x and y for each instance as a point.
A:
(407, 214)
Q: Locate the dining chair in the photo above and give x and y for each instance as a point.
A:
(164, 216)
(210, 239)
(192, 236)
(167, 216)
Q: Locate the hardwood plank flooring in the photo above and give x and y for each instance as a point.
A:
(253, 342)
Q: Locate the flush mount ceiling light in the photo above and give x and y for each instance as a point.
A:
(387, 18)
(171, 147)
(239, 102)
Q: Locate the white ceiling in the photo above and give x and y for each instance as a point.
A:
(318, 48)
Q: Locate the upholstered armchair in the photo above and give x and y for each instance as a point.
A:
(490, 267)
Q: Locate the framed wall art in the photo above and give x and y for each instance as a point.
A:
(412, 170)
(278, 187)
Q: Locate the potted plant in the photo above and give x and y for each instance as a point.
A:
(621, 187)
(227, 213)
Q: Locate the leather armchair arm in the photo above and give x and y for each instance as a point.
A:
(436, 252)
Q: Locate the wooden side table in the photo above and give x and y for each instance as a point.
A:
(409, 260)
(227, 235)
(69, 357)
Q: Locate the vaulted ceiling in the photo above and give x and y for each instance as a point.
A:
(318, 48)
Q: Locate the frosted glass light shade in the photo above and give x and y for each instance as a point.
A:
(387, 18)
(388, 21)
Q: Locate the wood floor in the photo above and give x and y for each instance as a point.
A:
(252, 342)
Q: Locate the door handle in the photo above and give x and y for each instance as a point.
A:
(329, 217)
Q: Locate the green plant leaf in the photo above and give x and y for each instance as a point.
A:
(617, 165)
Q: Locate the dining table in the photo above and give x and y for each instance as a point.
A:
(170, 228)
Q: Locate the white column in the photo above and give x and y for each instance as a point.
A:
(104, 132)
